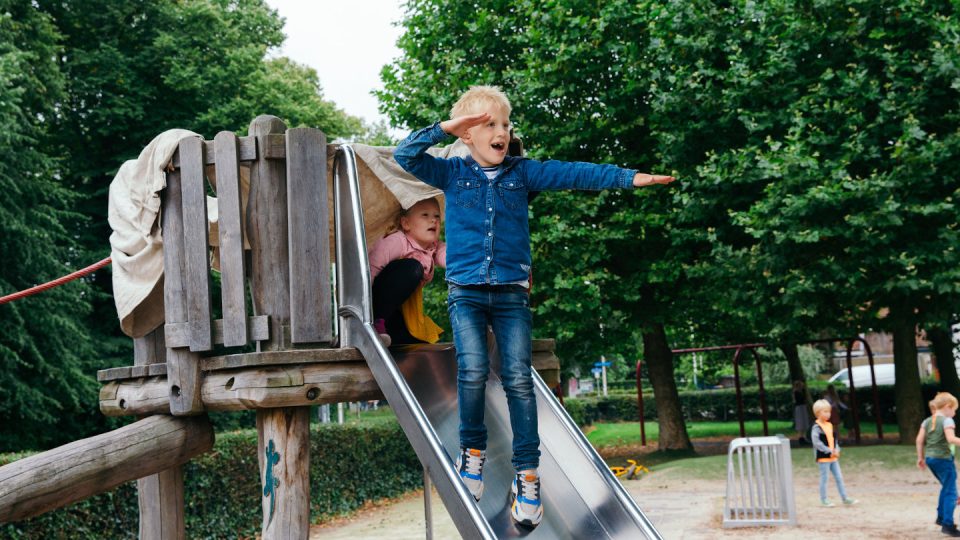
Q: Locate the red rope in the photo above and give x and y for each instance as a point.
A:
(59, 281)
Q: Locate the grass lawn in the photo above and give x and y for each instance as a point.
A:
(603, 435)
(887, 457)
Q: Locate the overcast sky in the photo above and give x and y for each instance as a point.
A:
(347, 42)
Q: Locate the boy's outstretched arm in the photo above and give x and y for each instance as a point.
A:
(644, 179)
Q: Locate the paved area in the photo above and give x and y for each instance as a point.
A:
(890, 507)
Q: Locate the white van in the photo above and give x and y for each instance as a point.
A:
(861, 376)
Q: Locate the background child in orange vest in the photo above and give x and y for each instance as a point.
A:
(936, 435)
(826, 448)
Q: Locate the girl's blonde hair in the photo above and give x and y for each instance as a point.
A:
(942, 399)
(473, 101)
(939, 401)
(821, 405)
(396, 225)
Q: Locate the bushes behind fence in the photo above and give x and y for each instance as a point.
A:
(721, 405)
(222, 491)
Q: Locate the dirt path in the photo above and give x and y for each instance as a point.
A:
(890, 507)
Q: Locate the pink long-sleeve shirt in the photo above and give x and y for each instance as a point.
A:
(398, 246)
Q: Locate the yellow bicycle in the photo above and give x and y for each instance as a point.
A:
(633, 470)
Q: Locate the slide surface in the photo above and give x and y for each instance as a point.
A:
(582, 499)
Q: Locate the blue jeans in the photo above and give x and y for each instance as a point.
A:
(506, 308)
(834, 467)
(946, 472)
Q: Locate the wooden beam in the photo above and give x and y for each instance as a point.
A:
(73, 472)
(250, 388)
(178, 334)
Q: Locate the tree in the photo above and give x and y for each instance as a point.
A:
(151, 66)
(85, 85)
(815, 141)
(43, 345)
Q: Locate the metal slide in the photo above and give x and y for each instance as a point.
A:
(582, 498)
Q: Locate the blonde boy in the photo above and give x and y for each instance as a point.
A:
(488, 269)
(826, 449)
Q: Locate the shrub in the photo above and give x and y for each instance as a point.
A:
(222, 487)
(721, 404)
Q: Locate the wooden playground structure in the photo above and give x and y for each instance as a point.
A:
(275, 347)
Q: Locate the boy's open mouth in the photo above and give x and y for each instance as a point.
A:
(498, 146)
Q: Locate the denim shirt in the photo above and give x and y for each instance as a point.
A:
(488, 234)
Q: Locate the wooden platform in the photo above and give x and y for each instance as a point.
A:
(268, 379)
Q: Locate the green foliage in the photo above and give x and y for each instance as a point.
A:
(816, 146)
(46, 371)
(222, 489)
(85, 86)
(721, 405)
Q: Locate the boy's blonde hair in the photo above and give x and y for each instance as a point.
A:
(942, 399)
(478, 99)
(821, 405)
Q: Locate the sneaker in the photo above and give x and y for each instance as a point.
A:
(525, 507)
(380, 326)
(850, 502)
(470, 466)
(827, 503)
(950, 530)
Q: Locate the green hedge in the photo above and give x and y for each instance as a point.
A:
(721, 404)
(349, 466)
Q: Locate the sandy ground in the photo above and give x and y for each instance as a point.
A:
(890, 507)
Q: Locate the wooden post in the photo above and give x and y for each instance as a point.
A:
(283, 450)
(183, 366)
(283, 433)
(267, 227)
(73, 472)
(161, 505)
(160, 495)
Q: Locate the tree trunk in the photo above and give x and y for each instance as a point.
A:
(941, 341)
(908, 398)
(793, 362)
(659, 359)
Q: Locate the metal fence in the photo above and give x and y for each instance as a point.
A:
(759, 483)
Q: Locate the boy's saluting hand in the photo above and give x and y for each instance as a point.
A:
(644, 179)
(458, 126)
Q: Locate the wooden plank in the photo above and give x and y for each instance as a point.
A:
(111, 374)
(275, 358)
(267, 227)
(309, 243)
(247, 148)
(184, 377)
(150, 349)
(196, 248)
(160, 497)
(178, 334)
(250, 388)
(37, 484)
(283, 450)
(232, 275)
